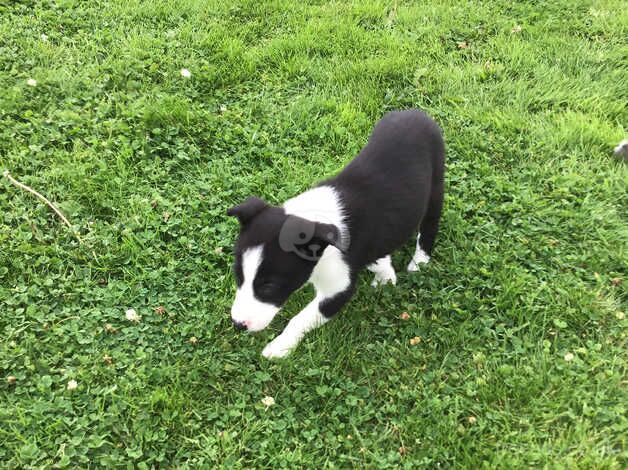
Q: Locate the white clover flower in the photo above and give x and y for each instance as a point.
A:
(72, 384)
(569, 357)
(31, 82)
(132, 315)
(268, 401)
(44, 37)
(185, 73)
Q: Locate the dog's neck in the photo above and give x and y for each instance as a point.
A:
(320, 204)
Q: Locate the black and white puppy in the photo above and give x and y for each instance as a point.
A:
(328, 234)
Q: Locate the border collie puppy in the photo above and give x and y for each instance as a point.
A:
(328, 234)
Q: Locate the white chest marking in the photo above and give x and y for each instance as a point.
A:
(322, 204)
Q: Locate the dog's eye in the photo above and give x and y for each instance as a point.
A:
(266, 289)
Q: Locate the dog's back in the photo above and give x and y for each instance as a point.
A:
(388, 189)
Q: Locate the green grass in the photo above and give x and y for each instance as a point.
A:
(527, 268)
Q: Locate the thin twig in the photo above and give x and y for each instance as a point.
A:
(8, 176)
(32, 191)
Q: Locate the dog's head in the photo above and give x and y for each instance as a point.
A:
(275, 254)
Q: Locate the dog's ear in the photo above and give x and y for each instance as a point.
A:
(328, 234)
(248, 209)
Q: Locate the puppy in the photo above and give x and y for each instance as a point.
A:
(328, 234)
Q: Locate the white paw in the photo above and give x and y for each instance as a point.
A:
(278, 348)
(381, 279)
(420, 257)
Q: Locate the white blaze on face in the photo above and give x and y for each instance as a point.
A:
(256, 315)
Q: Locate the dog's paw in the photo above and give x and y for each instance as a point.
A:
(419, 258)
(381, 279)
(278, 348)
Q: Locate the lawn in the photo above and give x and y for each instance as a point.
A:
(521, 358)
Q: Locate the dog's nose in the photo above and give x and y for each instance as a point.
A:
(239, 325)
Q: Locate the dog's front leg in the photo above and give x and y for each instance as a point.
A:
(318, 311)
(308, 319)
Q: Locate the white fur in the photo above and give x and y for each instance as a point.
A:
(309, 318)
(246, 308)
(384, 272)
(420, 257)
(331, 274)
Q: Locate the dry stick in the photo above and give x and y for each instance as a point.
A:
(8, 176)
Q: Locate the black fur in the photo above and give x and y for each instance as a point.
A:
(393, 187)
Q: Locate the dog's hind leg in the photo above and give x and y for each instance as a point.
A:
(428, 230)
(419, 257)
(384, 271)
